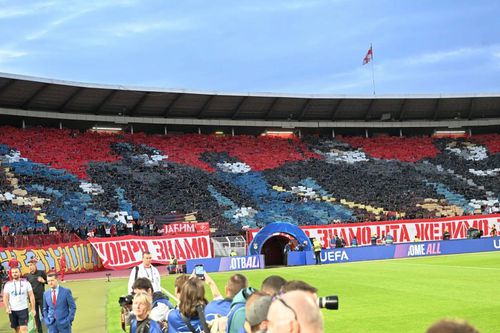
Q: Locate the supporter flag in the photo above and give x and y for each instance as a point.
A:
(369, 56)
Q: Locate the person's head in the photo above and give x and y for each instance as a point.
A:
(179, 282)
(16, 273)
(295, 311)
(452, 326)
(235, 283)
(192, 295)
(256, 310)
(147, 258)
(299, 285)
(52, 280)
(141, 305)
(143, 285)
(272, 284)
(32, 266)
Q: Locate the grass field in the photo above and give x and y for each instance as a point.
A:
(378, 296)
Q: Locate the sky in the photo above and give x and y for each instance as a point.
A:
(270, 46)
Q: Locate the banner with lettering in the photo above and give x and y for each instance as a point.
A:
(186, 228)
(126, 251)
(406, 250)
(80, 257)
(402, 231)
(223, 264)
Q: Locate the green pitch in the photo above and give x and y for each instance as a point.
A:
(377, 296)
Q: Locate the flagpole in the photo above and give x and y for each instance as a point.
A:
(373, 72)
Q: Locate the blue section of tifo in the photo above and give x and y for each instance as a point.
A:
(4, 149)
(224, 201)
(124, 205)
(17, 221)
(342, 212)
(28, 168)
(453, 198)
(274, 206)
(63, 205)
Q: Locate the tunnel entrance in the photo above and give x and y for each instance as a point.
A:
(273, 249)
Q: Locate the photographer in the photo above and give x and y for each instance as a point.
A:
(186, 318)
(141, 308)
(160, 304)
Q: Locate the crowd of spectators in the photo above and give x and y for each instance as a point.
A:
(278, 306)
(119, 185)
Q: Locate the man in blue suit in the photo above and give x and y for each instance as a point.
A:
(58, 306)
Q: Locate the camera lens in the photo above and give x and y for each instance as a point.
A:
(329, 302)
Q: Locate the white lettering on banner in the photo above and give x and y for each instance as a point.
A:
(125, 252)
(416, 250)
(405, 231)
(244, 263)
(496, 243)
(179, 228)
(433, 248)
(334, 256)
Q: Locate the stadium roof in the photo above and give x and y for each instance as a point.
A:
(47, 98)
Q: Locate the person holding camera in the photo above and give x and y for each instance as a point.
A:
(142, 323)
(160, 304)
(189, 316)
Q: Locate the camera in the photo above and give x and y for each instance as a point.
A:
(125, 300)
(329, 302)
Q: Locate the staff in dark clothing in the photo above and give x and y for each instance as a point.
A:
(38, 280)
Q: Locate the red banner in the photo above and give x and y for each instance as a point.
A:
(186, 228)
(125, 252)
(402, 231)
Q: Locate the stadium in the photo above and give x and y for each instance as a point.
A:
(325, 166)
(80, 162)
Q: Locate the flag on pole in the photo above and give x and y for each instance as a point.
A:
(369, 56)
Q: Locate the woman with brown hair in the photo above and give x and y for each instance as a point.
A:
(186, 318)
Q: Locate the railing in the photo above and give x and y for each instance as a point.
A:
(22, 241)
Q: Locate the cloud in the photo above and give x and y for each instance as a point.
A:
(447, 55)
(125, 29)
(78, 9)
(25, 10)
(288, 5)
(7, 54)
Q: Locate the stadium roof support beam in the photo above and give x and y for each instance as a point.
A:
(436, 109)
(304, 109)
(70, 99)
(369, 109)
(7, 85)
(402, 109)
(205, 106)
(170, 105)
(106, 99)
(238, 107)
(335, 108)
(30, 99)
(270, 109)
(138, 104)
(472, 105)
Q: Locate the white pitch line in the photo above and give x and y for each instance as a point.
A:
(451, 266)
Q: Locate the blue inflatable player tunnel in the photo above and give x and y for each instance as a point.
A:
(277, 229)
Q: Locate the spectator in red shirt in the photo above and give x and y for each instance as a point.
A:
(62, 264)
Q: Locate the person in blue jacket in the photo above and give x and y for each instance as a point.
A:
(185, 318)
(141, 307)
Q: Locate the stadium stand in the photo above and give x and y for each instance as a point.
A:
(82, 181)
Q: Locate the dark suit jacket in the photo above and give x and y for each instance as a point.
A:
(63, 313)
